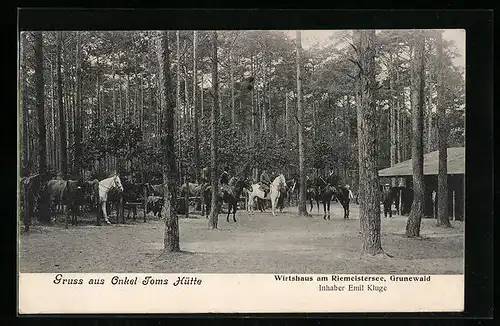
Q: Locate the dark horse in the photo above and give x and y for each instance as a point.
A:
(342, 195)
(312, 195)
(324, 193)
(229, 194)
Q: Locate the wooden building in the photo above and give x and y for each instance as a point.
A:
(456, 179)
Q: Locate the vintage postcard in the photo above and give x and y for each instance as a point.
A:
(241, 171)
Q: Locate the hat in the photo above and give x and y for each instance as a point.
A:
(387, 185)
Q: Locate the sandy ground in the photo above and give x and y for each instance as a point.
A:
(256, 243)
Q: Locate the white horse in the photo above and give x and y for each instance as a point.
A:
(276, 187)
(105, 186)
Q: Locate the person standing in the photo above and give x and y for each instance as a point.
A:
(387, 200)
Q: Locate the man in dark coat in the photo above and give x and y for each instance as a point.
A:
(387, 200)
(265, 182)
(224, 177)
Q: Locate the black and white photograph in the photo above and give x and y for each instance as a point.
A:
(242, 151)
(284, 153)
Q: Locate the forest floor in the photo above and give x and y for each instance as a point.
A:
(256, 243)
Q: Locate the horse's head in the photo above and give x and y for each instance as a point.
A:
(280, 182)
(117, 183)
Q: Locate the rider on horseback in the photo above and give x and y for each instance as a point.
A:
(265, 181)
(224, 177)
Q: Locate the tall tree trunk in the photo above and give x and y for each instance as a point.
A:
(252, 129)
(418, 86)
(287, 116)
(62, 120)
(120, 98)
(23, 105)
(195, 113)
(179, 112)
(171, 237)
(201, 98)
(39, 99)
(141, 104)
(187, 107)
(214, 213)
(78, 111)
(370, 201)
(392, 116)
(302, 175)
(55, 150)
(269, 107)
(231, 78)
(127, 99)
(398, 119)
(442, 212)
(430, 136)
(264, 90)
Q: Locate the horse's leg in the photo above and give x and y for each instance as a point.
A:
(324, 209)
(317, 204)
(67, 218)
(235, 205)
(249, 204)
(105, 214)
(328, 207)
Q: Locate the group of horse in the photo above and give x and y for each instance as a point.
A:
(78, 194)
(280, 191)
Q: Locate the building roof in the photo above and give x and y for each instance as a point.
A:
(456, 164)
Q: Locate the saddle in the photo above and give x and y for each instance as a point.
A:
(265, 188)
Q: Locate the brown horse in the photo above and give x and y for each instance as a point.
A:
(229, 194)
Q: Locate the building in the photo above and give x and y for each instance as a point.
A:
(456, 179)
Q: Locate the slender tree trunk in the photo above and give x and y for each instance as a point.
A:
(186, 94)
(23, 105)
(201, 98)
(392, 117)
(39, 99)
(120, 98)
(62, 120)
(231, 77)
(269, 117)
(171, 238)
(127, 99)
(442, 200)
(180, 115)
(214, 213)
(398, 119)
(287, 116)
(54, 120)
(78, 118)
(141, 104)
(252, 129)
(430, 138)
(370, 201)
(264, 90)
(418, 86)
(361, 150)
(302, 188)
(195, 112)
